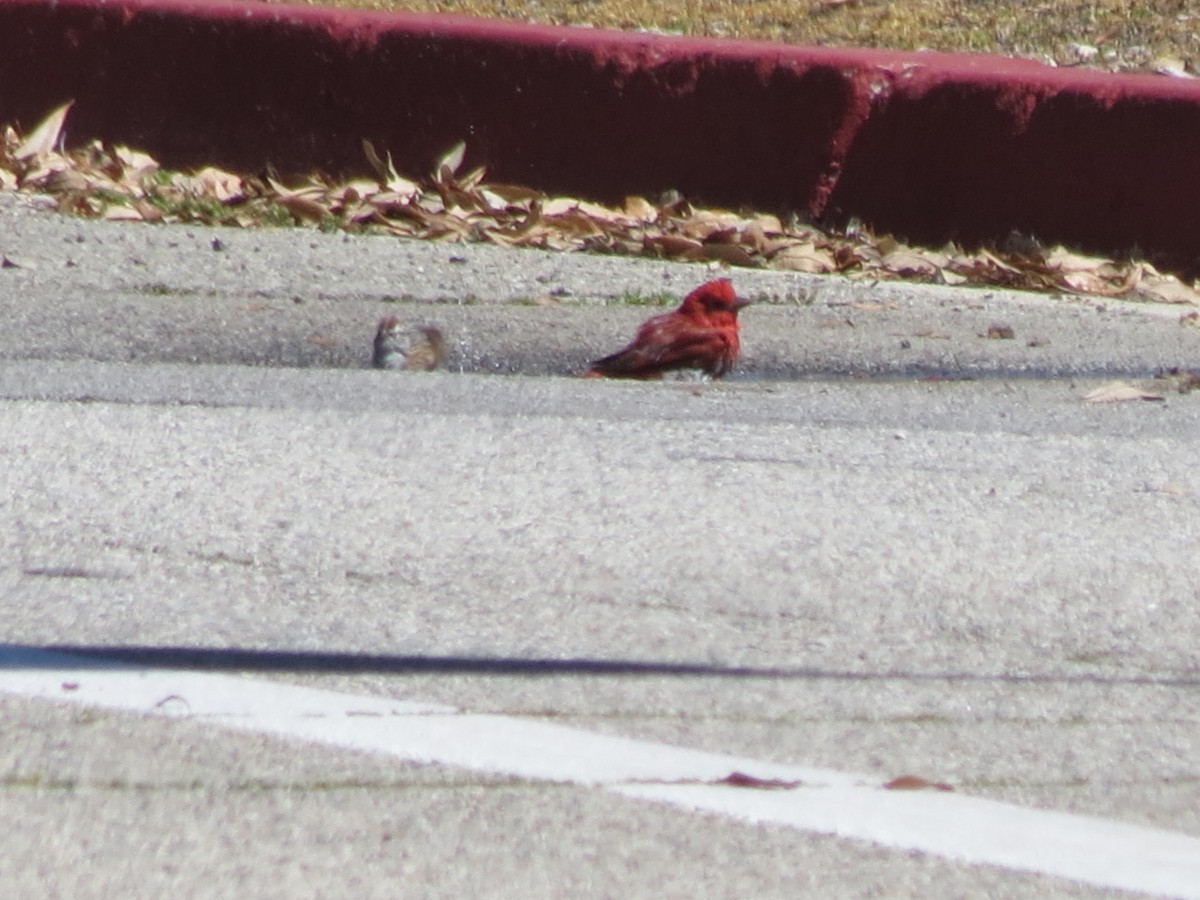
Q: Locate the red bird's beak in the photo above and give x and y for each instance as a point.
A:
(741, 303)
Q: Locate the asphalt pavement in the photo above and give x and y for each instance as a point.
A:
(890, 546)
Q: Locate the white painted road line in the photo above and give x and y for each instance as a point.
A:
(962, 828)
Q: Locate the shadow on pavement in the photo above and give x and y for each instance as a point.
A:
(23, 656)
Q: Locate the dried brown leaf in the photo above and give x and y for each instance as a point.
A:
(403, 187)
(669, 245)
(768, 223)
(148, 211)
(910, 263)
(62, 180)
(1166, 289)
(640, 209)
(999, 263)
(916, 783)
(674, 205)
(46, 168)
(131, 169)
(135, 160)
(604, 215)
(984, 268)
(741, 779)
(556, 206)
(725, 236)
(1119, 392)
(472, 179)
(777, 244)
(846, 256)
(387, 175)
(526, 224)
(805, 257)
(362, 214)
(211, 183)
(450, 162)
(74, 203)
(515, 193)
(121, 212)
(755, 239)
(400, 229)
(1093, 283)
(381, 170)
(1063, 260)
(356, 189)
(704, 223)
(456, 197)
(42, 140)
(730, 254)
(573, 223)
(303, 208)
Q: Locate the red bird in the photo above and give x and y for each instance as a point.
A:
(701, 334)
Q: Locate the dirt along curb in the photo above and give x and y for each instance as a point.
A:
(926, 146)
(276, 297)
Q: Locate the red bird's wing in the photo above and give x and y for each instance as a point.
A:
(671, 342)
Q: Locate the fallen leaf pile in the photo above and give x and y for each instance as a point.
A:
(116, 182)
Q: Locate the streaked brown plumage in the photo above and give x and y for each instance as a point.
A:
(414, 348)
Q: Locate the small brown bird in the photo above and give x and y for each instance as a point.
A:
(414, 348)
(702, 334)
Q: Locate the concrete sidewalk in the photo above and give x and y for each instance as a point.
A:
(103, 291)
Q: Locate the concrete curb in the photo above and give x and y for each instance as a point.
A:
(927, 146)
